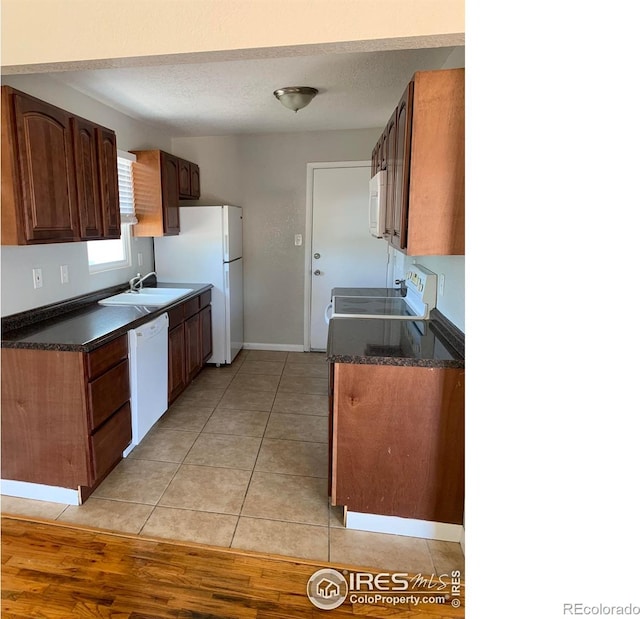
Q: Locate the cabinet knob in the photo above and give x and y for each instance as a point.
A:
(316, 255)
(316, 272)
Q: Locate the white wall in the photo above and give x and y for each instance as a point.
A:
(266, 175)
(57, 31)
(18, 293)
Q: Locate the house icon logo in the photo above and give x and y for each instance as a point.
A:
(327, 589)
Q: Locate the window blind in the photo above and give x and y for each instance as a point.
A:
(125, 187)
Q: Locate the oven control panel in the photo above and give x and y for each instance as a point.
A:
(422, 285)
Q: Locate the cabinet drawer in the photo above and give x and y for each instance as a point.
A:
(191, 307)
(108, 393)
(106, 356)
(108, 443)
(205, 299)
(176, 316)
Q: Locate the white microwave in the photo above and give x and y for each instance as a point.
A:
(377, 204)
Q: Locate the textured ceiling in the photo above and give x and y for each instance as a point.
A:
(357, 91)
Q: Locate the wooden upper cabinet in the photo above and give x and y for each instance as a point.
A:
(189, 180)
(170, 193)
(388, 164)
(38, 172)
(59, 183)
(184, 178)
(401, 157)
(110, 195)
(87, 178)
(424, 160)
(194, 170)
(156, 185)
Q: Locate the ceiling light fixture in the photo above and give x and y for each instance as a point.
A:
(295, 97)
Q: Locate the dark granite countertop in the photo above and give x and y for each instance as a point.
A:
(81, 324)
(435, 343)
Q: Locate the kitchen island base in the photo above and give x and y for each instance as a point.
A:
(397, 441)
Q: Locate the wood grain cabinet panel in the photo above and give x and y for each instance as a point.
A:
(38, 172)
(156, 186)
(64, 415)
(177, 367)
(425, 163)
(87, 178)
(190, 342)
(108, 443)
(194, 171)
(109, 193)
(205, 333)
(59, 174)
(397, 445)
(160, 181)
(184, 182)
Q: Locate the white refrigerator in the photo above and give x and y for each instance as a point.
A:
(208, 250)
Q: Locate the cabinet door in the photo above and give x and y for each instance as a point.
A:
(388, 157)
(87, 179)
(402, 154)
(170, 193)
(108, 166)
(177, 373)
(193, 349)
(45, 159)
(184, 178)
(195, 181)
(205, 333)
(398, 441)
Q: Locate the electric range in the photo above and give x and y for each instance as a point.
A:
(416, 304)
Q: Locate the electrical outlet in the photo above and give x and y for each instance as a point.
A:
(140, 259)
(441, 284)
(64, 273)
(37, 278)
(297, 240)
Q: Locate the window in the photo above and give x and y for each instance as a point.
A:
(116, 253)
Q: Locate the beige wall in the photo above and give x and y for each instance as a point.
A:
(18, 293)
(270, 176)
(58, 31)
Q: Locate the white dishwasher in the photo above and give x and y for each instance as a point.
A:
(148, 376)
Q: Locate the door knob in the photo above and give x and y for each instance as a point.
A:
(316, 255)
(316, 272)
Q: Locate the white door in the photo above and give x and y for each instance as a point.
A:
(343, 253)
(232, 225)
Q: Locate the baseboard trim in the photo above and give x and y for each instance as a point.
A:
(276, 347)
(28, 490)
(410, 527)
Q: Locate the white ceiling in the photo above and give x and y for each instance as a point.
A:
(357, 91)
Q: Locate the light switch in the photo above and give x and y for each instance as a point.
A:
(64, 273)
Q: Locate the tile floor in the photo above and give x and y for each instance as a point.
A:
(240, 461)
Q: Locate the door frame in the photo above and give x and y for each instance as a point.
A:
(308, 233)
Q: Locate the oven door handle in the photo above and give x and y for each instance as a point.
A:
(327, 313)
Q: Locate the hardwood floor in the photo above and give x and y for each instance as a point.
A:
(57, 571)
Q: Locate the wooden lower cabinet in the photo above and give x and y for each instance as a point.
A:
(193, 354)
(66, 417)
(397, 441)
(177, 375)
(190, 343)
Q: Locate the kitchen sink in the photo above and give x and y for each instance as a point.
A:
(147, 296)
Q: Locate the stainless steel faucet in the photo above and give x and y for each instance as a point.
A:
(135, 283)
